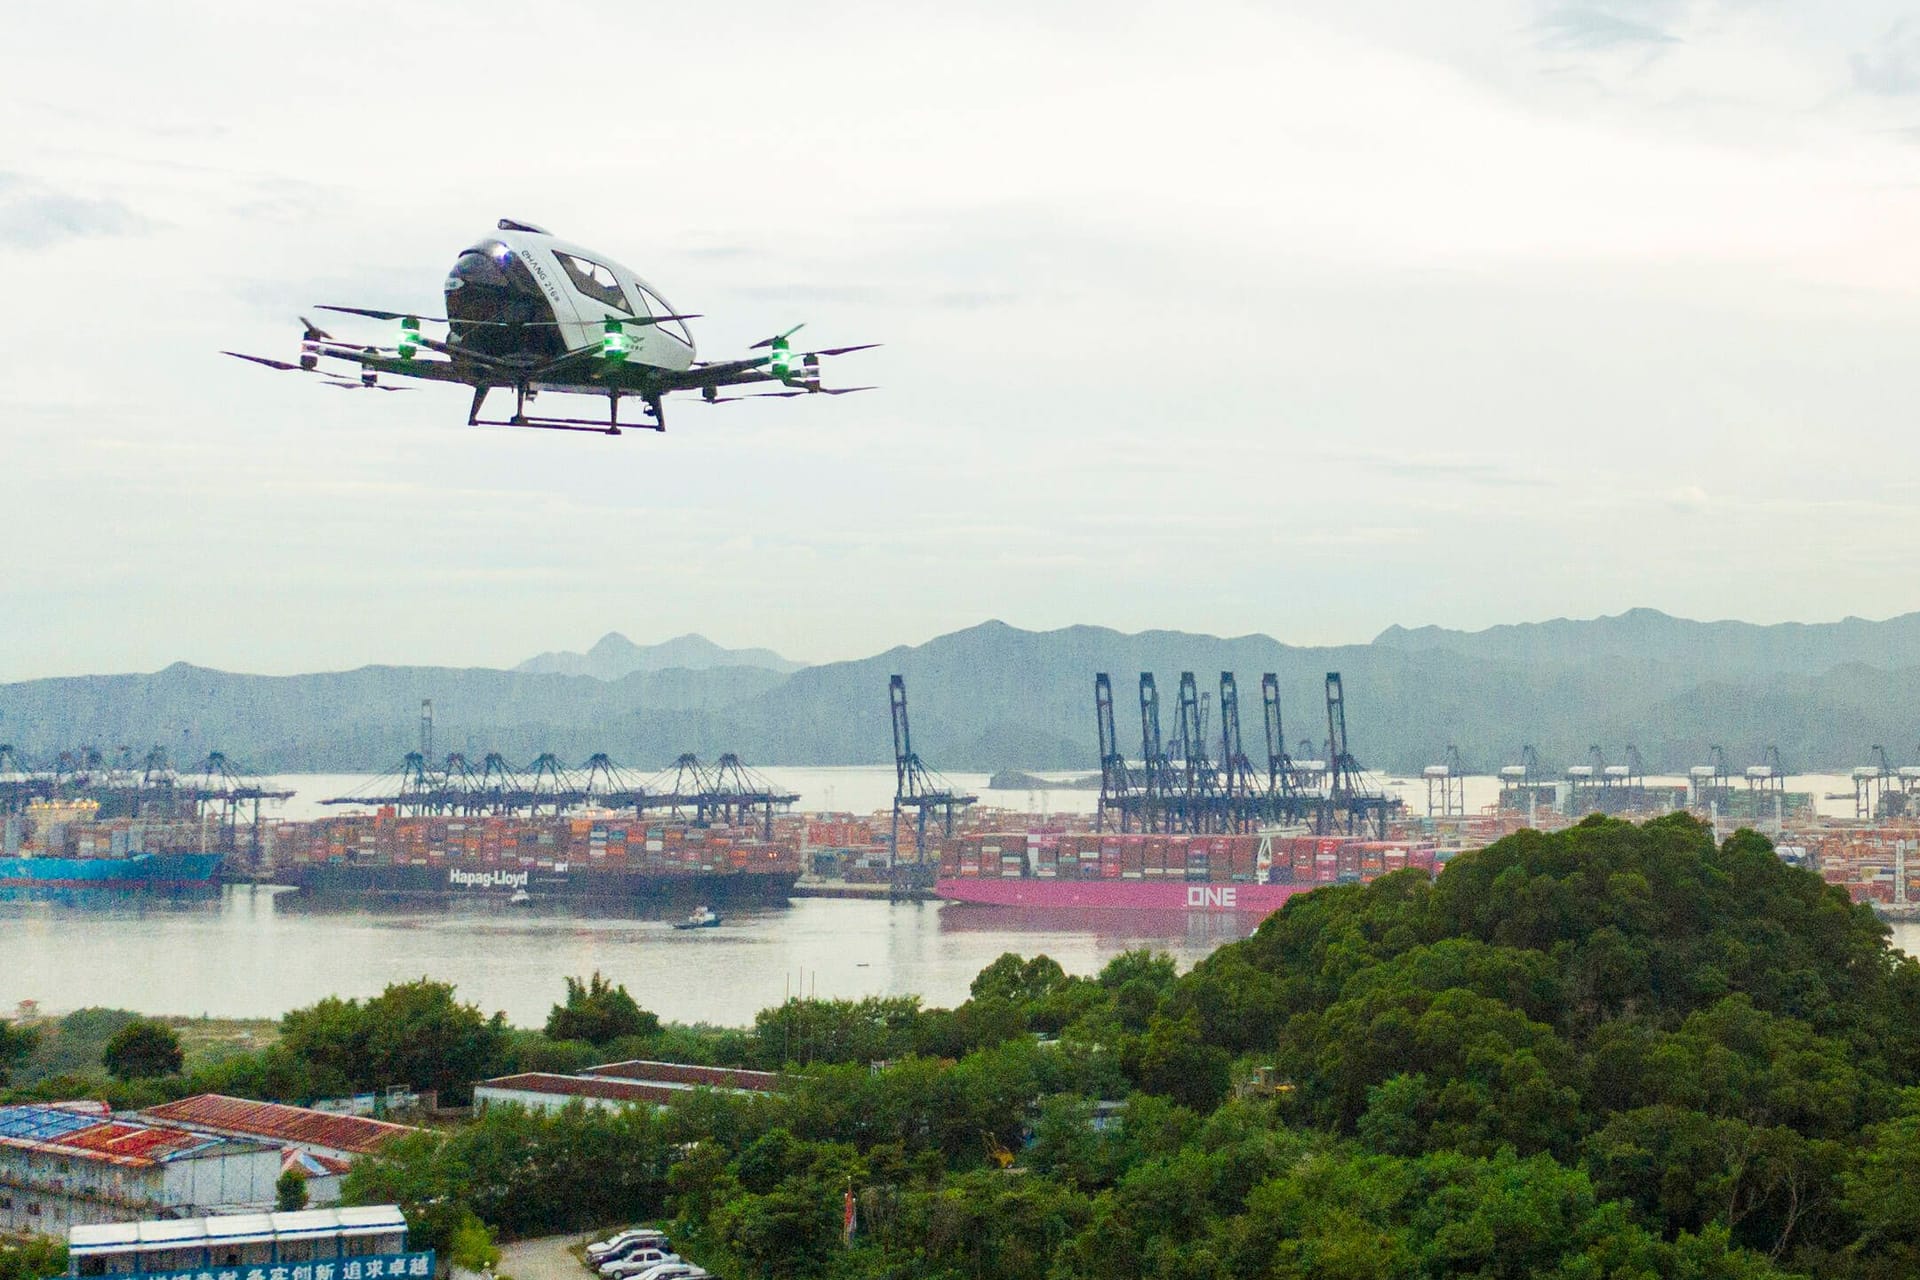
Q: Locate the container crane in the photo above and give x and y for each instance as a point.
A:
(1446, 786)
(1160, 790)
(1199, 783)
(1347, 791)
(918, 788)
(1248, 803)
(1118, 798)
(1283, 782)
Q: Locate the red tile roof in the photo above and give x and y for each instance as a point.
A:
(681, 1073)
(276, 1122)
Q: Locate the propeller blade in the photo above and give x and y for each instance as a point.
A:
(373, 313)
(314, 332)
(841, 351)
(271, 364)
(788, 395)
(778, 337)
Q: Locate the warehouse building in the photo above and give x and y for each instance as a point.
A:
(66, 1164)
(619, 1084)
(321, 1144)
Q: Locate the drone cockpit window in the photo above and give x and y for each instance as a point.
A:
(595, 281)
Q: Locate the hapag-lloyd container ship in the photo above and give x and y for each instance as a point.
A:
(1162, 872)
(609, 857)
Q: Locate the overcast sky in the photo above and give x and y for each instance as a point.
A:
(1221, 317)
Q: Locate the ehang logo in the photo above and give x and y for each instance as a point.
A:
(1210, 898)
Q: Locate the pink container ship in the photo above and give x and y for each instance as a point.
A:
(1254, 874)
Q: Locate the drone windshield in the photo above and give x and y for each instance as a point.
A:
(485, 291)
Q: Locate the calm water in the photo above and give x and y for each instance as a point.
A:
(258, 952)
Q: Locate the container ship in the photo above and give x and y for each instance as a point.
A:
(1162, 872)
(64, 845)
(636, 861)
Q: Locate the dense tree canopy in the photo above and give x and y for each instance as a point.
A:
(413, 1033)
(599, 1013)
(16, 1042)
(143, 1049)
(1615, 1051)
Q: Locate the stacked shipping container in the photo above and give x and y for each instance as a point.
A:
(611, 854)
(1210, 859)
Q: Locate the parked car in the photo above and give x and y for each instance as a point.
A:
(633, 1238)
(674, 1271)
(639, 1244)
(636, 1262)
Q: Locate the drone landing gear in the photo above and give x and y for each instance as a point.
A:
(609, 426)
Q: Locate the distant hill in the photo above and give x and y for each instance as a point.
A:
(368, 718)
(1650, 635)
(614, 656)
(994, 696)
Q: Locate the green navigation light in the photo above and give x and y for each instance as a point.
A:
(615, 346)
(409, 337)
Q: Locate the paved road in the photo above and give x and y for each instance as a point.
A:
(543, 1259)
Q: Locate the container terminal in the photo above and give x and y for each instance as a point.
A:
(1194, 821)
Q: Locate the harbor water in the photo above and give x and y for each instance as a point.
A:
(257, 952)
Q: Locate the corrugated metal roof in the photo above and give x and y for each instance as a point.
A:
(311, 1163)
(66, 1130)
(280, 1123)
(587, 1087)
(687, 1074)
(235, 1227)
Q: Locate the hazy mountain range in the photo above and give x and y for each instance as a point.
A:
(614, 656)
(993, 695)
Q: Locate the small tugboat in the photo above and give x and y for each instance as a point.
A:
(702, 918)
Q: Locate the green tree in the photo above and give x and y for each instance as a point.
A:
(413, 1033)
(16, 1042)
(144, 1049)
(599, 1012)
(329, 1040)
(34, 1258)
(1880, 1194)
(290, 1191)
(471, 1246)
(1175, 1061)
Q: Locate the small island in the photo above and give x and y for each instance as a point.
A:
(1016, 780)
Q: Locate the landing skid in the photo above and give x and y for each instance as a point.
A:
(565, 424)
